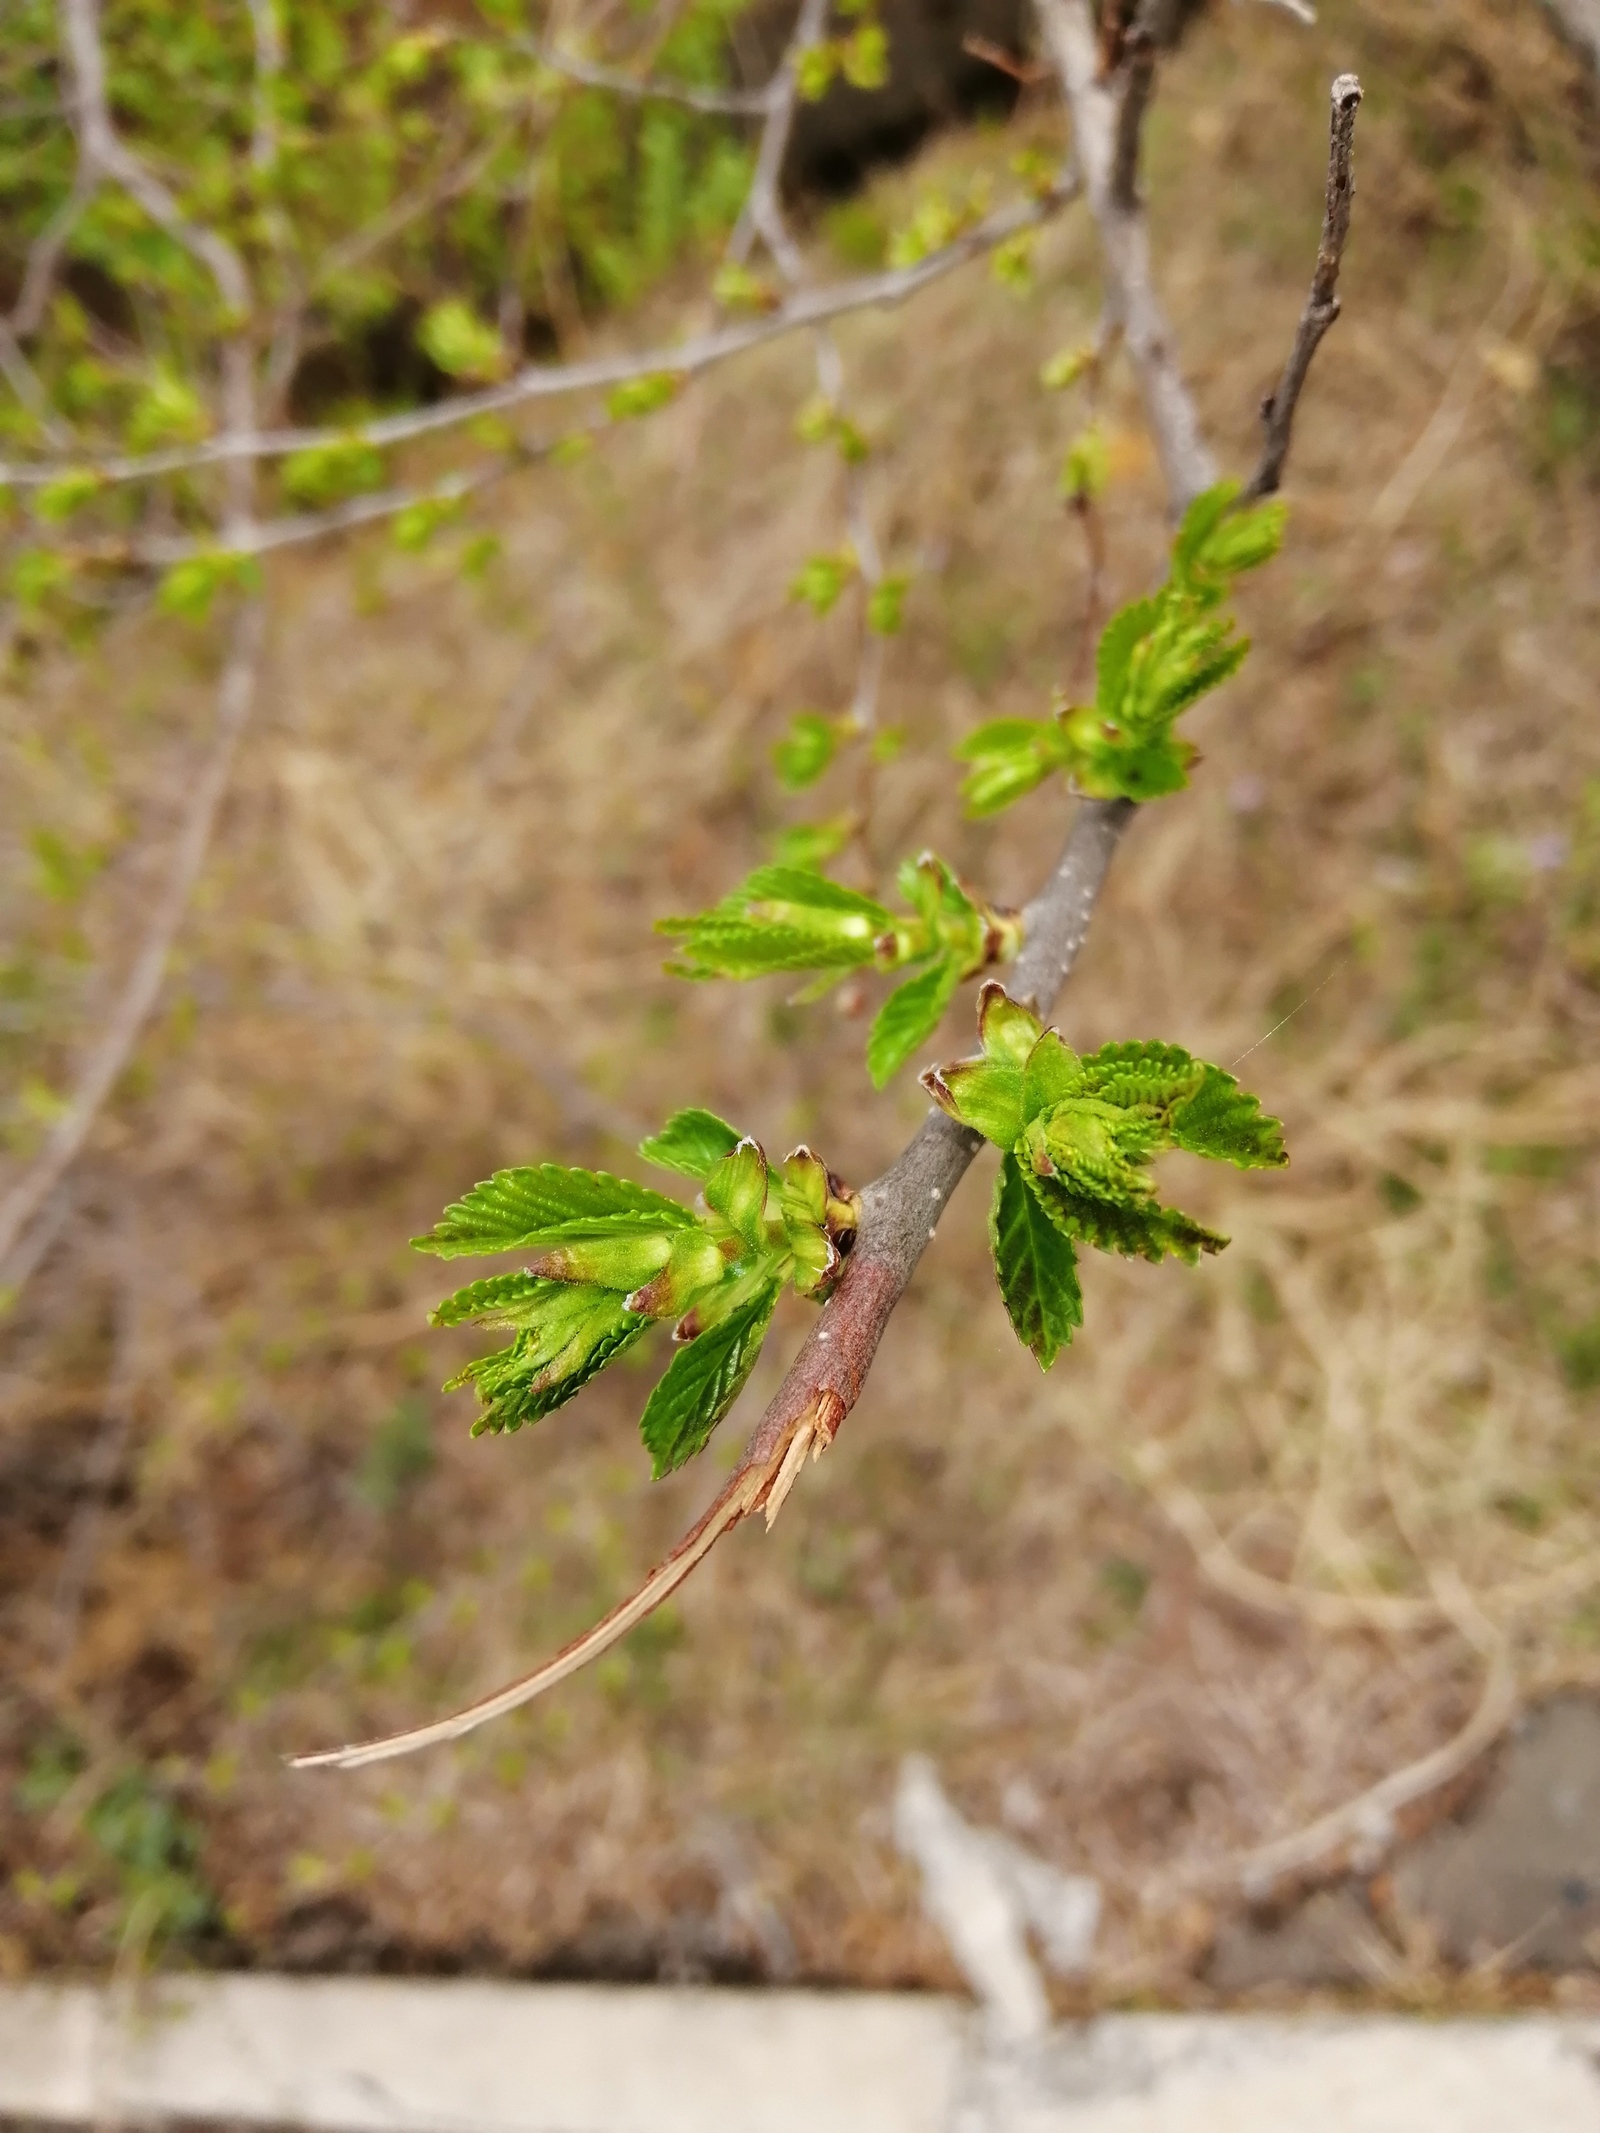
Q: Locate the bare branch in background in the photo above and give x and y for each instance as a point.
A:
(1028, 73)
(717, 103)
(106, 154)
(1186, 461)
(761, 214)
(812, 307)
(1152, 27)
(268, 34)
(27, 313)
(1322, 305)
(143, 985)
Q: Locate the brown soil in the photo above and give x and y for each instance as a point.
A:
(236, 1520)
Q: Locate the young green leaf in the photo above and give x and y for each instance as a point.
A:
(702, 1382)
(1087, 466)
(416, 525)
(780, 918)
(1156, 657)
(814, 71)
(864, 57)
(691, 1142)
(1007, 1031)
(1036, 1264)
(1217, 541)
(822, 578)
(696, 1269)
(1222, 1120)
(1012, 263)
(327, 473)
(189, 587)
(886, 605)
(573, 1336)
(813, 844)
(803, 1188)
(460, 342)
(1153, 1077)
(499, 1299)
(1067, 366)
(67, 493)
(548, 1205)
(910, 1015)
(642, 396)
(736, 288)
(984, 1095)
(737, 1191)
(806, 749)
(625, 1263)
(1051, 1075)
(1136, 1230)
(1009, 758)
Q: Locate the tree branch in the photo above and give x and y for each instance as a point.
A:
(811, 307)
(105, 153)
(1322, 305)
(1186, 461)
(901, 1209)
(717, 103)
(761, 214)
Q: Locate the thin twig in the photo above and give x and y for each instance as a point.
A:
(721, 103)
(812, 307)
(1139, 81)
(1322, 305)
(1027, 73)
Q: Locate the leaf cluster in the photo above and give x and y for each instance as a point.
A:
(1156, 657)
(1077, 1136)
(611, 1258)
(791, 919)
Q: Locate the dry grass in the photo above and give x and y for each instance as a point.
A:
(422, 950)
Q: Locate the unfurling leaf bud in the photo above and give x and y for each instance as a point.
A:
(737, 1191)
(1077, 1135)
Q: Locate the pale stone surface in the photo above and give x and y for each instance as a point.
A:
(1521, 1873)
(390, 2053)
(1258, 2074)
(370, 2055)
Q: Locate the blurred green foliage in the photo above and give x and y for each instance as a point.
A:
(131, 1842)
(416, 199)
